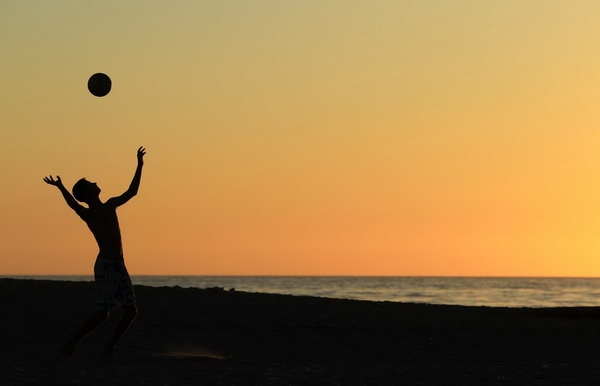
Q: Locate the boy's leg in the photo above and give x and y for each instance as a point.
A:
(88, 326)
(129, 313)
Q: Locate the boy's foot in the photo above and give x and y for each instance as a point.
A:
(67, 351)
(108, 352)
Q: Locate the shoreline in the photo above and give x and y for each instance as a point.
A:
(215, 336)
(495, 292)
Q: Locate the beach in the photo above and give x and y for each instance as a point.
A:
(226, 337)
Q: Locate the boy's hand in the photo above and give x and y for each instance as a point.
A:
(141, 152)
(50, 180)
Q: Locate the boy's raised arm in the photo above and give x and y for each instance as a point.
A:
(68, 197)
(135, 183)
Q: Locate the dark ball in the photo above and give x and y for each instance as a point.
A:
(99, 84)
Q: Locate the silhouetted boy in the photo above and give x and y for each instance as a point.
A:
(113, 285)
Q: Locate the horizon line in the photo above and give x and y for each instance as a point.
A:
(357, 276)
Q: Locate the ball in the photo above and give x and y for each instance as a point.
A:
(99, 84)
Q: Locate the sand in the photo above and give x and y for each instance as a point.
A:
(213, 336)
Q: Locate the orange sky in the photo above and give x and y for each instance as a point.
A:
(306, 138)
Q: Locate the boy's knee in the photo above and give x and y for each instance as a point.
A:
(102, 314)
(130, 311)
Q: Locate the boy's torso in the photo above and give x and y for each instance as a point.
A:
(104, 224)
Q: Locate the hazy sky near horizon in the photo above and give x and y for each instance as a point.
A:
(306, 137)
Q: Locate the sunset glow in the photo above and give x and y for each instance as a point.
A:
(306, 138)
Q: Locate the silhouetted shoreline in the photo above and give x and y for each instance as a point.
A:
(215, 336)
(466, 291)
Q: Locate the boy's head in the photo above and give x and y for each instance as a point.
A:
(84, 190)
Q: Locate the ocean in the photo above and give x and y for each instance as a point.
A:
(469, 291)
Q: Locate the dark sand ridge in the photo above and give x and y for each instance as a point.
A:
(193, 336)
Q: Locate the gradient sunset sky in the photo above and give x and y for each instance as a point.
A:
(306, 137)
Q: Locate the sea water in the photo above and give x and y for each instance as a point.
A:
(471, 291)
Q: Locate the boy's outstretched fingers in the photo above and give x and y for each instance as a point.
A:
(141, 152)
(50, 180)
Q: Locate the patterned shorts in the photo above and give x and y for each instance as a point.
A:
(113, 285)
